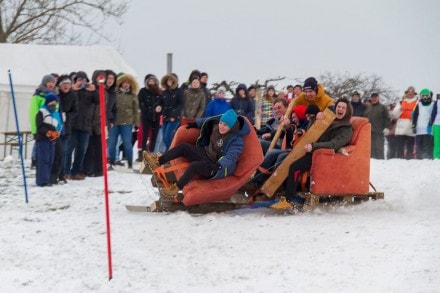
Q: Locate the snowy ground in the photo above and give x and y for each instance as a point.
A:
(57, 242)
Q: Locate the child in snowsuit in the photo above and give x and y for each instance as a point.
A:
(49, 125)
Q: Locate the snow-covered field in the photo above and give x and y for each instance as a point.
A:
(57, 242)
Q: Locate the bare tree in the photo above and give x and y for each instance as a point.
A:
(267, 82)
(229, 86)
(337, 85)
(55, 21)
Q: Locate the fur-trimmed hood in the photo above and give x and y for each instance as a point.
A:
(163, 81)
(130, 78)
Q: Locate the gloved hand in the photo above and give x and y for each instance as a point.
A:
(191, 125)
(429, 129)
(386, 132)
(52, 134)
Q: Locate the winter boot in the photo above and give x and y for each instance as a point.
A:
(139, 158)
(33, 164)
(152, 160)
(130, 164)
(283, 204)
(171, 191)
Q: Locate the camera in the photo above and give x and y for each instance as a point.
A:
(84, 85)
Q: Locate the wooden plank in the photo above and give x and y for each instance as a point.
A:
(277, 178)
(317, 200)
(135, 208)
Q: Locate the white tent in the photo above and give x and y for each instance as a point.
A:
(28, 65)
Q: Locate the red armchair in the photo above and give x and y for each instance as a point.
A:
(200, 191)
(335, 173)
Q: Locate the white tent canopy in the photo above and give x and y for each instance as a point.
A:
(29, 63)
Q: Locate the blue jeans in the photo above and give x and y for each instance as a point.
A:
(265, 144)
(125, 131)
(272, 160)
(78, 141)
(168, 130)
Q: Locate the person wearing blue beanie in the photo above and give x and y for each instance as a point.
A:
(229, 118)
(215, 154)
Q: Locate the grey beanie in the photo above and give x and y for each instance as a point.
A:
(47, 78)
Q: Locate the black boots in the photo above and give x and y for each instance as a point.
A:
(139, 158)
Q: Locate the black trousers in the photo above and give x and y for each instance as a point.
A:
(404, 145)
(424, 146)
(57, 171)
(92, 165)
(292, 181)
(200, 165)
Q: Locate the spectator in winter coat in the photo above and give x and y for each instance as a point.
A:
(242, 104)
(293, 92)
(380, 120)
(356, 103)
(81, 126)
(110, 96)
(92, 165)
(37, 101)
(216, 151)
(149, 97)
(128, 116)
(422, 125)
(68, 106)
(171, 103)
(435, 122)
(337, 135)
(267, 132)
(390, 135)
(218, 105)
(49, 125)
(403, 131)
(266, 104)
(204, 87)
(187, 84)
(194, 106)
(314, 93)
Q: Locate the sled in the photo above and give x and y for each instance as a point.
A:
(335, 178)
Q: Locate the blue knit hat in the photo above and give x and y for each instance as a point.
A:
(50, 97)
(229, 118)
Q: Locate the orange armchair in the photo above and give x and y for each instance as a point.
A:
(200, 191)
(335, 173)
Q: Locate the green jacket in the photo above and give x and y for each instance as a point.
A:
(37, 101)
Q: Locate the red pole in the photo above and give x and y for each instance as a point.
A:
(101, 80)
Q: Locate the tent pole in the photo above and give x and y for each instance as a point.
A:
(20, 144)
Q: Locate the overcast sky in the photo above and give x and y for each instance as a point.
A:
(243, 41)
